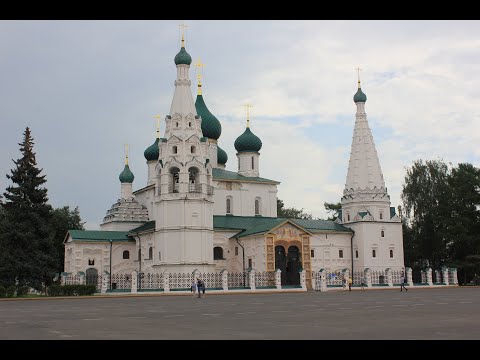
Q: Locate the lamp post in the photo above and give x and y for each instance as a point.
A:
(111, 243)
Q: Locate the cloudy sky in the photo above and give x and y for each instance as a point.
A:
(86, 88)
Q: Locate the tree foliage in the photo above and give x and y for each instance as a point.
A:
(29, 228)
(333, 210)
(441, 218)
(291, 213)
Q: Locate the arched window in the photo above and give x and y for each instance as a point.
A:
(229, 205)
(348, 216)
(391, 253)
(126, 254)
(177, 124)
(253, 163)
(382, 233)
(356, 254)
(174, 150)
(217, 253)
(189, 124)
(91, 262)
(257, 206)
(374, 253)
(193, 183)
(381, 215)
(192, 149)
(150, 252)
(173, 186)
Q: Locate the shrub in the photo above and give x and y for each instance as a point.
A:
(22, 290)
(11, 291)
(71, 290)
(3, 291)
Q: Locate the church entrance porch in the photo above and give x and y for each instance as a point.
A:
(289, 264)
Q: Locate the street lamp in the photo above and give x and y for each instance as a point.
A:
(111, 242)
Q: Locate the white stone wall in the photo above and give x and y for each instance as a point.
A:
(245, 163)
(151, 172)
(146, 198)
(243, 195)
(126, 190)
(78, 253)
(212, 152)
(232, 262)
(326, 247)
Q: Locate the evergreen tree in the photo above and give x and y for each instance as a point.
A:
(333, 209)
(291, 213)
(25, 238)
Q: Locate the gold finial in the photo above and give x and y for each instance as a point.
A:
(126, 154)
(158, 125)
(183, 26)
(199, 66)
(358, 71)
(248, 106)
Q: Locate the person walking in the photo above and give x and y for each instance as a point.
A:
(350, 282)
(403, 280)
(193, 288)
(363, 283)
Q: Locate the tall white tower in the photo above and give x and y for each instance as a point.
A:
(184, 191)
(378, 239)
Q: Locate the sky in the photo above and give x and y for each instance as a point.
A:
(87, 88)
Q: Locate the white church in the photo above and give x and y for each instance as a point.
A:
(193, 214)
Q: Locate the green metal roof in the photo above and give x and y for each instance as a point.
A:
(222, 156)
(99, 235)
(211, 127)
(126, 176)
(359, 96)
(221, 174)
(152, 152)
(183, 57)
(321, 225)
(147, 226)
(248, 142)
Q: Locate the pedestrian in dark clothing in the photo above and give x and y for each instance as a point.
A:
(403, 280)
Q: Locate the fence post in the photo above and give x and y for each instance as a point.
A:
(445, 275)
(323, 280)
(133, 290)
(409, 274)
(314, 280)
(429, 276)
(388, 272)
(251, 279)
(225, 279)
(303, 279)
(166, 281)
(454, 276)
(368, 277)
(105, 282)
(346, 275)
(278, 279)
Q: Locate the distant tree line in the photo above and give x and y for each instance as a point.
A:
(31, 231)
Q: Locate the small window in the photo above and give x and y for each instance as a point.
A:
(340, 253)
(382, 233)
(192, 149)
(189, 124)
(139, 254)
(174, 150)
(312, 253)
(391, 254)
(374, 253)
(177, 124)
(253, 163)
(356, 254)
(91, 262)
(348, 217)
(159, 255)
(150, 253)
(257, 207)
(236, 250)
(229, 205)
(126, 254)
(381, 215)
(217, 253)
(249, 263)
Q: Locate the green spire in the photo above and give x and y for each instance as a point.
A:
(248, 142)
(152, 152)
(211, 127)
(222, 156)
(183, 58)
(126, 176)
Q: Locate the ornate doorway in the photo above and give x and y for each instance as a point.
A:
(281, 262)
(293, 266)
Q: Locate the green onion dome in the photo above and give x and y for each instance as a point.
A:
(183, 58)
(126, 176)
(222, 156)
(151, 153)
(248, 142)
(360, 96)
(211, 127)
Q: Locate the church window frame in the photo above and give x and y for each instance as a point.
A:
(258, 206)
(229, 205)
(174, 149)
(189, 124)
(218, 253)
(391, 253)
(91, 262)
(356, 253)
(374, 253)
(174, 180)
(340, 253)
(194, 185)
(382, 233)
(250, 263)
(150, 253)
(381, 214)
(193, 149)
(126, 255)
(253, 162)
(312, 253)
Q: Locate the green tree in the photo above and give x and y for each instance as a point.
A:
(333, 209)
(63, 219)
(25, 238)
(291, 213)
(426, 199)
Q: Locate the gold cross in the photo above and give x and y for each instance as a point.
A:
(158, 124)
(183, 26)
(247, 107)
(358, 71)
(199, 66)
(126, 154)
